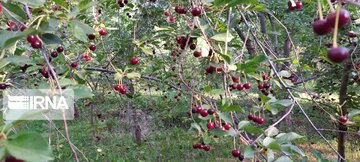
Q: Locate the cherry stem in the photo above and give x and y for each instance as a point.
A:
(336, 26)
(331, 6)
(320, 10)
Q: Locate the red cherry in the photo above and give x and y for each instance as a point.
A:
(196, 145)
(134, 60)
(193, 46)
(12, 159)
(91, 36)
(0, 7)
(88, 58)
(227, 126)
(338, 54)
(210, 125)
(321, 27)
(10, 24)
(261, 85)
(178, 9)
(84, 56)
(102, 32)
(60, 49)
(36, 44)
(92, 47)
(54, 54)
(74, 64)
(344, 18)
(267, 85)
(207, 148)
(298, 5)
(204, 112)
(236, 153)
(122, 89)
(199, 108)
(171, 19)
(197, 54)
(167, 13)
(235, 79)
(250, 117)
(219, 69)
(201, 146)
(117, 87)
(264, 76)
(247, 85)
(3, 86)
(32, 39)
(240, 87)
(343, 119)
(210, 69)
(351, 34)
(196, 11)
(260, 120)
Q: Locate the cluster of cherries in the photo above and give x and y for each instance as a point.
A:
(237, 85)
(203, 112)
(195, 11)
(120, 88)
(298, 5)
(34, 41)
(212, 125)
(256, 119)
(122, 3)
(264, 86)
(211, 69)
(201, 146)
(181, 40)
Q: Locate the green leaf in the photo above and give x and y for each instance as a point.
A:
(33, 3)
(14, 10)
(2, 152)
(236, 108)
(249, 152)
(287, 137)
(285, 102)
(85, 4)
(147, 50)
(29, 147)
(66, 81)
(163, 28)
(226, 117)
(252, 129)
(17, 60)
(242, 124)
(222, 37)
(271, 131)
(82, 92)
(196, 126)
(353, 113)
(133, 75)
(61, 3)
(226, 58)
(49, 38)
(283, 159)
(10, 38)
(81, 30)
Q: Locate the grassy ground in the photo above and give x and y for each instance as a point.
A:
(168, 138)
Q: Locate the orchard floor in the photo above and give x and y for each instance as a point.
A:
(168, 139)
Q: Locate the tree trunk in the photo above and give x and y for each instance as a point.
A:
(342, 99)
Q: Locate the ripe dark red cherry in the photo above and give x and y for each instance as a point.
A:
(211, 111)
(167, 13)
(236, 153)
(91, 36)
(261, 85)
(36, 45)
(60, 49)
(74, 64)
(3, 86)
(240, 87)
(343, 119)
(204, 113)
(250, 117)
(12, 159)
(321, 27)
(201, 146)
(235, 79)
(197, 54)
(180, 10)
(117, 87)
(199, 108)
(196, 145)
(210, 125)
(210, 69)
(298, 5)
(260, 120)
(344, 18)
(32, 39)
(219, 69)
(102, 32)
(247, 85)
(171, 19)
(92, 47)
(193, 46)
(120, 88)
(290, 7)
(338, 54)
(45, 73)
(134, 60)
(196, 11)
(54, 54)
(351, 34)
(88, 58)
(227, 126)
(267, 85)
(207, 148)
